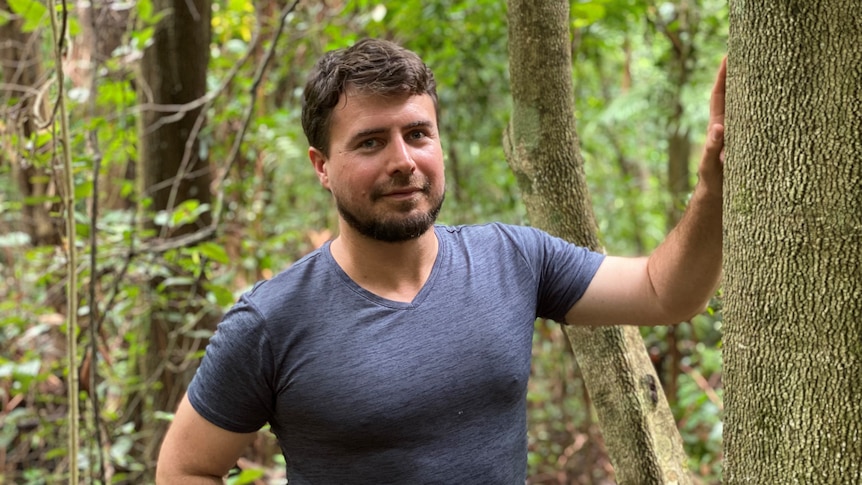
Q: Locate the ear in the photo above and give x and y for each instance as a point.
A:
(318, 161)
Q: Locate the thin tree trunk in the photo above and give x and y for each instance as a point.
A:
(542, 148)
(793, 242)
(172, 170)
(174, 70)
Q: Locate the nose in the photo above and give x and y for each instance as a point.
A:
(401, 158)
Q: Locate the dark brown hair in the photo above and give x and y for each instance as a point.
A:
(371, 66)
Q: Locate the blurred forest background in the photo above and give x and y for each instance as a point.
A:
(153, 272)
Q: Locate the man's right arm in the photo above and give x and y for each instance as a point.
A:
(197, 452)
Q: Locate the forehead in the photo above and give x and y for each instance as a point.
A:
(357, 111)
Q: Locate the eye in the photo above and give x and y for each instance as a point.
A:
(417, 134)
(369, 144)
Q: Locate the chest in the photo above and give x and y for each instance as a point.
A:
(394, 376)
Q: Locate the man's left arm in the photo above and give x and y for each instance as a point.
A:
(677, 280)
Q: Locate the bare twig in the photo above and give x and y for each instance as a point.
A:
(704, 385)
(93, 139)
(19, 88)
(204, 101)
(258, 77)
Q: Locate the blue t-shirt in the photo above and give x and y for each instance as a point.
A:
(361, 389)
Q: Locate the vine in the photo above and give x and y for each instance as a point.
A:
(68, 195)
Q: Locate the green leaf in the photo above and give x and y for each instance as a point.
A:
(56, 453)
(223, 296)
(41, 199)
(33, 12)
(177, 281)
(127, 188)
(163, 416)
(188, 212)
(587, 13)
(84, 190)
(214, 251)
(201, 334)
(245, 477)
(145, 10)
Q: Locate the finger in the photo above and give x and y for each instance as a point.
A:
(716, 100)
(715, 143)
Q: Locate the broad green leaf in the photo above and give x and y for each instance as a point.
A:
(214, 251)
(587, 13)
(245, 477)
(222, 295)
(32, 11)
(145, 10)
(84, 190)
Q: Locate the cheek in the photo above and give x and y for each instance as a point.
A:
(431, 163)
(354, 183)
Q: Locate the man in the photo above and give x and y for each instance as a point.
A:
(400, 351)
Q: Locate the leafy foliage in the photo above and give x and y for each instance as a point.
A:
(274, 212)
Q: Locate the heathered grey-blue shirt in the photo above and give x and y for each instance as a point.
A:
(361, 389)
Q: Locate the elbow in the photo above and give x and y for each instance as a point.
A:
(684, 312)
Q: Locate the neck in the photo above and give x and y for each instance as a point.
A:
(396, 271)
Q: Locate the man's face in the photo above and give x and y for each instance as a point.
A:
(385, 165)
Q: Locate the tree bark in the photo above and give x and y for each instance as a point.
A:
(542, 149)
(792, 246)
(173, 72)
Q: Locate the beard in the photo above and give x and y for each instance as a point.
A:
(394, 227)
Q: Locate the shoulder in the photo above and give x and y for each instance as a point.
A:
(293, 291)
(507, 234)
(502, 240)
(305, 275)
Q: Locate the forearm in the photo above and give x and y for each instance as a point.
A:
(677, 280)
(686, 268)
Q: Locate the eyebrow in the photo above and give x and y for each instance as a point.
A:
(375, 131)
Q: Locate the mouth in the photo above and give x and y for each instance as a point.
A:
(402, 193)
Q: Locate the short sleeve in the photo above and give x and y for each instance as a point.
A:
(233, 385)
(564, 271)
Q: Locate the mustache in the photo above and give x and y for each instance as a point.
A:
(411, 182)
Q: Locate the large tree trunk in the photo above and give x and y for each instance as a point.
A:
(793, 242)
(542, 147)
(174, 70)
